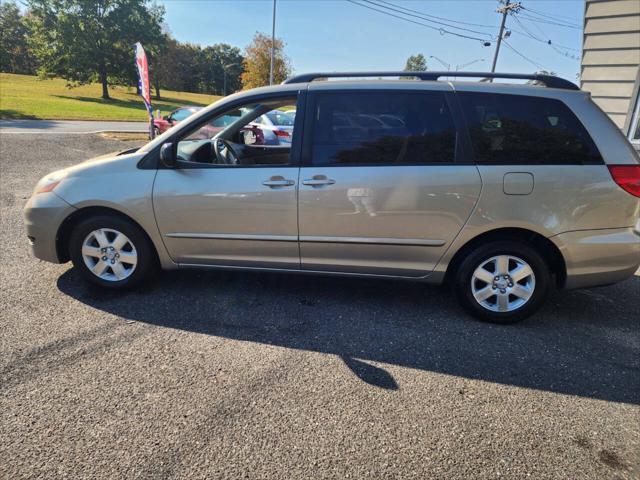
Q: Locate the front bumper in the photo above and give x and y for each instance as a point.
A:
(43, 215)
(599, 257)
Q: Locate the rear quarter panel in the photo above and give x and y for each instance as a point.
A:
(565, 198)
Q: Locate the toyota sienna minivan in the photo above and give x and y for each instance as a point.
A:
(503, 191)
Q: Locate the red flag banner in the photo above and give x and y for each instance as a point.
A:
(143, 77)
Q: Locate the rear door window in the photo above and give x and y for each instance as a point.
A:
(382, 128)
(525, 130)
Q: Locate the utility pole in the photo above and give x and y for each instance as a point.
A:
(273, 43)
(504, 11)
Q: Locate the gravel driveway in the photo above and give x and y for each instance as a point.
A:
(246, 375)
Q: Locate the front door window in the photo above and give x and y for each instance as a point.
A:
(236, 138)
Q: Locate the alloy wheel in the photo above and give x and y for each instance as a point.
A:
(503, 283)
(109, 254)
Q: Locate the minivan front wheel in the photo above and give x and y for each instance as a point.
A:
(110, 251)
(502, 282)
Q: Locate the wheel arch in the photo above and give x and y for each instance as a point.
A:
(73, 219)
(549, 251)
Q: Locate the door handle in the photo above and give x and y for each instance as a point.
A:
(278, 181)
(318, 181)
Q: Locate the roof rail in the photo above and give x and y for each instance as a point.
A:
(549, 80)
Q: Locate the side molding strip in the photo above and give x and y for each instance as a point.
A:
(233, 236)
(418, 242)
(375, 241)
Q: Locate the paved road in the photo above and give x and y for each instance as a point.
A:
(236, 375)
(69, 126)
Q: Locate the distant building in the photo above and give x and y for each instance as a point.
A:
(611, 61)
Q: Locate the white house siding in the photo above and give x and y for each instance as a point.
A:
(611, 56)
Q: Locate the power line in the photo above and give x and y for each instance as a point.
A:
(423, 18)
(550, 22)
(564, 53)
(412, 16)
(556, 18)
(524, 57)
(539, 29)
(435, 16)
(527, 32)
(441, 30)
(547, 22)
(557, 48)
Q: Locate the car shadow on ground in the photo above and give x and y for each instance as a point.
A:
(583, 343)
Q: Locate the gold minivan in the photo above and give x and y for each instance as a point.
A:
(502, 190)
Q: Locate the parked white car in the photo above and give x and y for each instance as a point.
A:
(277, 127)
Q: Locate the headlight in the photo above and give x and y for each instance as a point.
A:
(47, 187)
(50, 182)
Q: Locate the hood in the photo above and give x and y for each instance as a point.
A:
(112, 155)
(111, 162)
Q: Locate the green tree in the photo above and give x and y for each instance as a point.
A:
(15, 56)
(222, 69)
(153, 56)
(192, 68)
(87, 40)
(257, 62)
(416, 63)
(166, 66)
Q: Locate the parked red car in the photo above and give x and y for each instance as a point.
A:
(163, 124)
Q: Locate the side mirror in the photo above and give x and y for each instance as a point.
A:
(249, 137)
(167, 155)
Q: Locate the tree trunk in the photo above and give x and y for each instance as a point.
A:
(105, 86)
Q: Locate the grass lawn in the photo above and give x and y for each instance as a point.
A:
(25, 96)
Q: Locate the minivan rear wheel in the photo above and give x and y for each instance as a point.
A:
(502, 282)
(111, 252)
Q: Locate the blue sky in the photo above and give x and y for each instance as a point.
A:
(336, 35)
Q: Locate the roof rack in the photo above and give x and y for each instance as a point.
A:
(549, 80)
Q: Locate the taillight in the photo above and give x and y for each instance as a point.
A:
(281, 133)
(627, 177)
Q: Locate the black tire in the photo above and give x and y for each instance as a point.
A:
(463, 281)
(144, 249)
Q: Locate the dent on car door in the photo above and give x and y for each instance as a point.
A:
(230, 203)
(381, 191)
